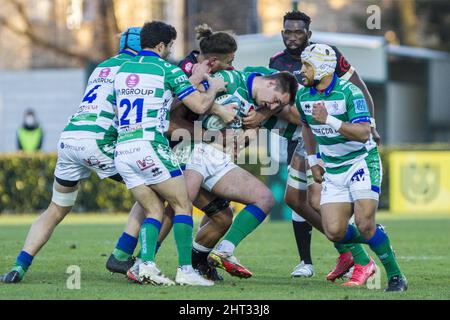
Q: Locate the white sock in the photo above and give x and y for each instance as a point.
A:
(226, 246)
(296, 217)
(200, 248)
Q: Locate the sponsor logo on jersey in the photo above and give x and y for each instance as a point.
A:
(101, 80)
(132, 80)
(188, 67)
(104, 73)
(131, 128)
(156, 172)
(92, 161)
(145, 163)
(307, 108)
(358, 176)
(127, 152)
(134, 91)
(181, 79)
(360, 105)
(87, 108)
(354, 89)
(71, 147)
(324, 131)
(335, 107)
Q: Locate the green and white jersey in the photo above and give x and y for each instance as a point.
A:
(240, 85)
(346, 102)
(144, 89)
(95, 118)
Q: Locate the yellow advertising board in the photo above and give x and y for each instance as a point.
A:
(419, 181)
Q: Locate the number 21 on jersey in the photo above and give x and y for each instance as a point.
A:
(131, 109)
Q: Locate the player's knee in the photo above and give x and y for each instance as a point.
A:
(55, 213)
(334, 233)
(366, 227)
(266, 201)
(180, 206)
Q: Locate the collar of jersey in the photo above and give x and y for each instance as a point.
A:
(250, 79)
(327, 91)
(127, 52)
(148, 53)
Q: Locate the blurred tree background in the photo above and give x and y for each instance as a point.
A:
(69, 33)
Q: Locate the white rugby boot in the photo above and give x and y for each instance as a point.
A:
(303, 270)
(149, 273)
(187, 275)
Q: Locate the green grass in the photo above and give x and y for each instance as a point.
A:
(422, 246)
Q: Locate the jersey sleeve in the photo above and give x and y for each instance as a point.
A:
(178, 82)
(228, 76)
(344, 70)
(357, 109)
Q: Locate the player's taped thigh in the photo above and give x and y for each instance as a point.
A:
(296, 179)
(215, 206)
(64, 199)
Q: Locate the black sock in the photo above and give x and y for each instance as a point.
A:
(199, 257)
(302, 232)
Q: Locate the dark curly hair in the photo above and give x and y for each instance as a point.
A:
(297, 15)
(155, 32)
(219, 42)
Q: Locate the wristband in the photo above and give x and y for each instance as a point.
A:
(333, 122)
(312, 160)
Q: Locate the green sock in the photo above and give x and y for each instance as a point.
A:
(353, 235)
(360, 255)
(148, 237)
(381, 245)
(23, 262)
(20, 269)
(342, 248)
(182, 232)
(120, 255)
(247, 220)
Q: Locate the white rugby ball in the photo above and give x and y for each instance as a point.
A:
(213, 122)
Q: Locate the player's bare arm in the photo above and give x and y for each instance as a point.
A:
(310, 148)
(357, 81)
(353, 131)
(290, 114)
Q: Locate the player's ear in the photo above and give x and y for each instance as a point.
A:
(212, 61)
(271, 83)
(160, 46)
(309, 34)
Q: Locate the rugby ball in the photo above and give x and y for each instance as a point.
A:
(213, 122)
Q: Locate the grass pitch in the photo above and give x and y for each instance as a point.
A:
(422, 246)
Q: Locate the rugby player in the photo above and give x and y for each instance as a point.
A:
(217, 53)
(305, 205)
(336, 117)
(144, 90)
(86, 144)
(230, 181)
